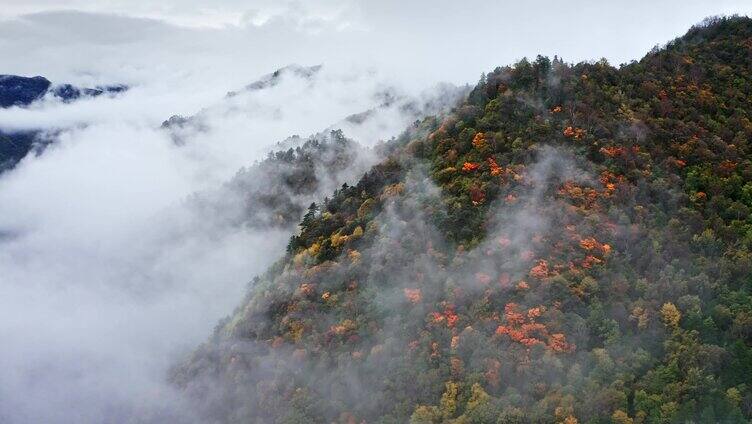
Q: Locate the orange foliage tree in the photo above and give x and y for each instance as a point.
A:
(479, 141)
(413, 295)
(470, 167)
(522, 328)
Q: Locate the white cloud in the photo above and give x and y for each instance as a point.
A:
(199, 14)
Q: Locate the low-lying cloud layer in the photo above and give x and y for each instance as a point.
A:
(110, 271)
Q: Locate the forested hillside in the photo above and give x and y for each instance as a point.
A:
(570, 244)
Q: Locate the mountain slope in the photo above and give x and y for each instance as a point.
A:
(572, 244)
(15, 145)
(16, 90)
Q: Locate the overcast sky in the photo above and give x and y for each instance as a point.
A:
(107, 274)
(421, 40)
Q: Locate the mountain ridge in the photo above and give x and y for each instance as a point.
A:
(22, 91)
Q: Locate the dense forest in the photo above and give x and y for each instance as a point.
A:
(570, 244)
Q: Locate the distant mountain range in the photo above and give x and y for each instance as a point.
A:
(18, 91)
(409, 107)
(22, 91)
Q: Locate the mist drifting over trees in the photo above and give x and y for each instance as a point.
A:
(318, 213)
